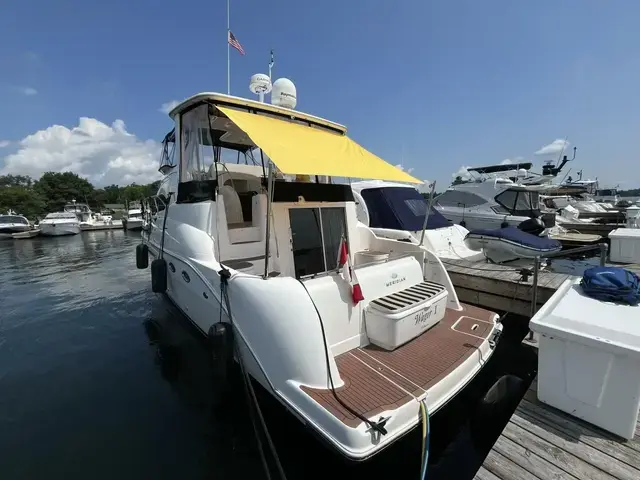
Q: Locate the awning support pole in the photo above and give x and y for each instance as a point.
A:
(269, 202)
(426, 216)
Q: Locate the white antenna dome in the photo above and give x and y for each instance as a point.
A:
(284, 93)
(521, 173)
(260, 83)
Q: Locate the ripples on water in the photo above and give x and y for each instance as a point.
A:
(84, 393)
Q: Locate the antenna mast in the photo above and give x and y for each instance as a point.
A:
(271, 64)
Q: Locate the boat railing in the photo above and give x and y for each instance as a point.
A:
(602, 247)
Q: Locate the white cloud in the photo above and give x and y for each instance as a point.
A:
(101, 153)
(4, 143)
(29, 91)
(463, 172)
(506, 161)
(401, 167)
(554, 148)
(167, 107)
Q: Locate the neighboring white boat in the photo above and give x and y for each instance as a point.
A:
(60, 223)
(133, 219)
(494, 203)
(348, 330)
(13, 223)
(397, 211)
(90, 220)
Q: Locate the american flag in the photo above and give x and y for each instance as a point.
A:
(235, 43)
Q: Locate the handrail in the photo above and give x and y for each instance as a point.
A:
(536, 268)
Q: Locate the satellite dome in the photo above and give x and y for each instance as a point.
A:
(260, 84)
(522, 172)
(284, 93)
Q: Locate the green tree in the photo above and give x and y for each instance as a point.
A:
(22, 200)
(16, 180)
(60, 188)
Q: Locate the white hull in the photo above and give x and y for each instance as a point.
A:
(59, 229)
(261, 315)
(132, 224)
(501, 250)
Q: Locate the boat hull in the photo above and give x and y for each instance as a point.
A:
(132, 224)
(59, 229)
(299, 364)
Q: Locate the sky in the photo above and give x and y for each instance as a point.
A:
(433, 86)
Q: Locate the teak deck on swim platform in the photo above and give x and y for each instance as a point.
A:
(543, 443)
(377, 380)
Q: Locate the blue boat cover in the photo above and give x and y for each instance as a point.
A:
(611, 284)
(515, 235)
(400, 208)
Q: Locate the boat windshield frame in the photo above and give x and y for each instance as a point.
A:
(61, 216)
(525, 203)
(14, 219)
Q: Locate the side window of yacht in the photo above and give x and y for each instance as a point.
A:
(197, 145)
(316, 236)
(453, 198)
(513, 201)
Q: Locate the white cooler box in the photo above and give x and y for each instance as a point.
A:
(589, 358)
(625, 245)
(395, 319)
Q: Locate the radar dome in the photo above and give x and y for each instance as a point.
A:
(260, 83)
(522, 173)
(284, 93)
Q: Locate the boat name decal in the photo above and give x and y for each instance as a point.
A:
(395, 281)
(424, 315)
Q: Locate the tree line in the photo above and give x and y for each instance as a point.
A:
(35, 198)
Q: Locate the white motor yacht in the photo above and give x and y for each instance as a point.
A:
(13, 223)
(60, 223)
(133, 218)
(492, 203)
(89, 220)
(351, 332)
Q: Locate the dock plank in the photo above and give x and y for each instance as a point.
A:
(584, 452)
(533, 455)
(484, 474)
(504, 468)
(555, 460)
(599, 440)
(549, 444)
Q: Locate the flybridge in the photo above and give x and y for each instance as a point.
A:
(501, 168)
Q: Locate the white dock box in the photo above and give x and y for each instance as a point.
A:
(589, 358)
(625, 245)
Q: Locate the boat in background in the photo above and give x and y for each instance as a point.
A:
(12, 223)
(398, 210)
(352, 333)
(59, 223)
(90, 220)
(133, 219)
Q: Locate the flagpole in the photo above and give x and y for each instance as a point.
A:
(228, 54)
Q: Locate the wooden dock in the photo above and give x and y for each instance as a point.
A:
(116, 225)
(603, 229)
(500, 287)
(542, 443)
(503, 287)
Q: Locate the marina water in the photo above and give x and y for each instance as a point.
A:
(100, 378)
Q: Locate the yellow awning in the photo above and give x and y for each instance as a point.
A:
(299, 149)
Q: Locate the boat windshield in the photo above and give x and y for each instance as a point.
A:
(608, 192)
(76, 208)
(13, 219)
(517, 202)
(400, 208)
(59, 215)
